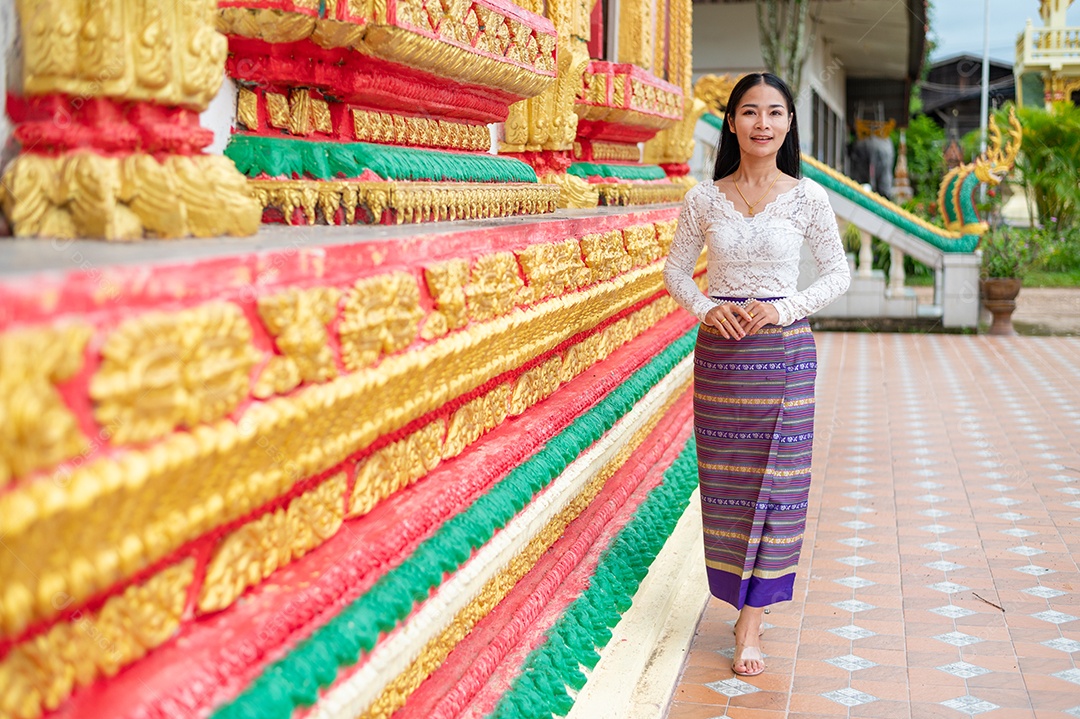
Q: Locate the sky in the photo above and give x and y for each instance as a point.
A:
(958, 25)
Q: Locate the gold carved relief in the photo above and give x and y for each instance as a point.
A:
(37, 429)
(493, 286)
(535, 384)
(573, 190)
(606, 255)
(297, 320)
(552, 268)
(396, 692)
(300, 122)
(39, 674)
(277, 110)
(110, 518)
(579, 357)
(641, 243)
(247, 109)
(84, 194)
(408, 201)
(382, 315)
(675, 144)
(665, 235)
(446, 284)
(622, 194)
(370, 126)
(161, 371)
(167, 53)
(396, 466)
(474, 418)
(253, 552)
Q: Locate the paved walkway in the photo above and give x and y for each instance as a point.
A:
(1039, 310)
(939, 575)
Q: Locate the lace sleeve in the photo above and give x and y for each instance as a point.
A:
(679, 268)
(825, 245)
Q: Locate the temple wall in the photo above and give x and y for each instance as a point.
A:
(359, 413)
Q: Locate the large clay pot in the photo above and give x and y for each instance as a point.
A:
(999, 297)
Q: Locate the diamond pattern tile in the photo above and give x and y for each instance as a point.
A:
(1062, 644)
(944, 566)
(964, 670)
(952, 611)
(1055, 617)
(850, 697)
(1034, 570)
(855, 561)
(934, 513)
(1027, 551)
(962, 461)
(852, 632)
(1069, 675)
(854, 582)
(970, 705)
(948, 587)
(851, 663)
(958, 639)
(733, 687)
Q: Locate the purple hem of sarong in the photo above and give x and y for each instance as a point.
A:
(754, 592)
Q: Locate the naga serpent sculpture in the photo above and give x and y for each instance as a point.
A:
(956, 194)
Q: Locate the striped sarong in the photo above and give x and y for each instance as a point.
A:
(754, 424)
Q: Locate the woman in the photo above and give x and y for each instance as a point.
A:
(755, 360)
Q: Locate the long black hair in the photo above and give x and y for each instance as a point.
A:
(728, 155)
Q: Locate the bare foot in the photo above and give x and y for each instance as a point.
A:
(748, 661)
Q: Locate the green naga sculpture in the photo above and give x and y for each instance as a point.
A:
(956, 194)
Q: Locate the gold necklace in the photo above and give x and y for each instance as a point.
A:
(750, 207)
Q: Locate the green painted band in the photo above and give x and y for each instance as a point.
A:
(296, 679)
(297, 159)
(963, 244)
(619, 172)
(552, 671)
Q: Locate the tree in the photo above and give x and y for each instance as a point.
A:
(785, 38)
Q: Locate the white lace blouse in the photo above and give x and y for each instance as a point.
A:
(757, 257)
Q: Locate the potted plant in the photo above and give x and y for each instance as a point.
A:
(1006, 255)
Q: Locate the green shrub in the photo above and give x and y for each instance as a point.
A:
(1049, 163)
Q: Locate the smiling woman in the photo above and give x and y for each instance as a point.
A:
(755, 360)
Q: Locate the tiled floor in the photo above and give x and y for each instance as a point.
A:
(939, 574)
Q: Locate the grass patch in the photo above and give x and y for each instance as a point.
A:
(1043, 278)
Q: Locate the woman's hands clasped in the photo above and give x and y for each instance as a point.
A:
(735, 322)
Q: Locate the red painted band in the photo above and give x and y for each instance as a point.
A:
(54, 124)
(515, 626)
(361, 79)
(211, 660)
